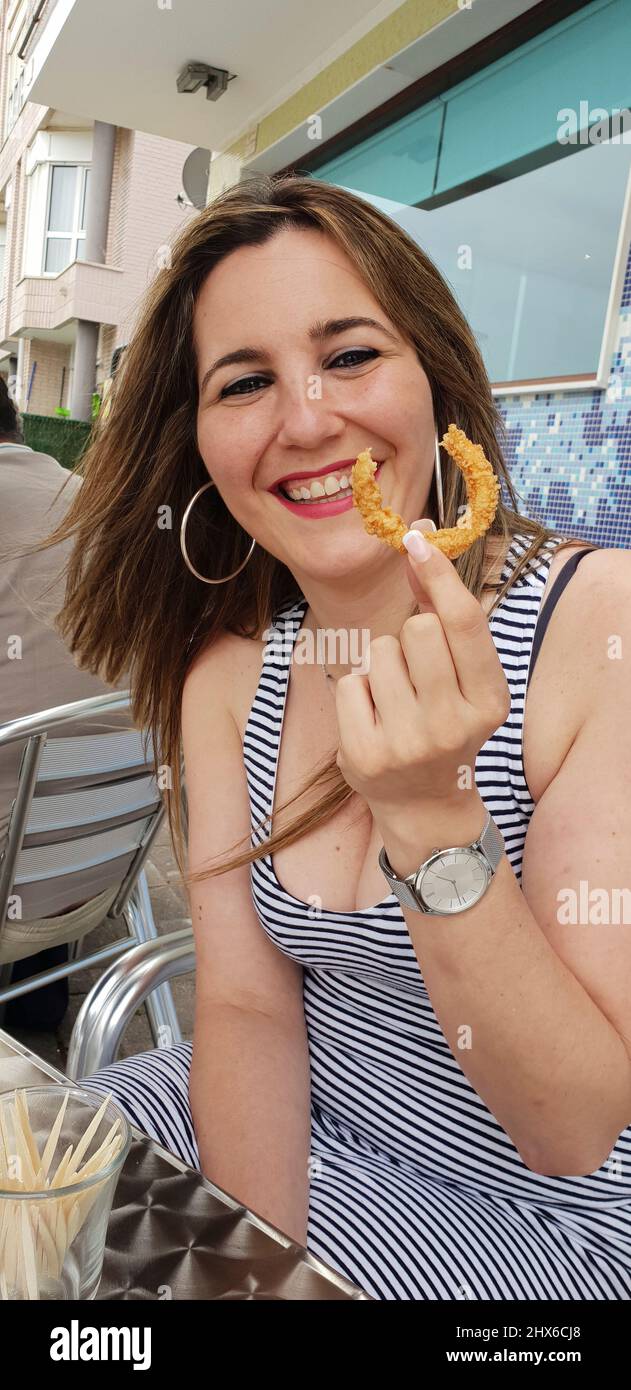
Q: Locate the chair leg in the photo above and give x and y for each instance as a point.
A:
(163, 1019)
(160, 1005)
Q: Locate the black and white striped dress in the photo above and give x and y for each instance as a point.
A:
(416, 1191)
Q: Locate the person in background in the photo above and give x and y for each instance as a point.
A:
(31, 594)
(108, 384)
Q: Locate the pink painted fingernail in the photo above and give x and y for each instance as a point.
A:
(416, 545)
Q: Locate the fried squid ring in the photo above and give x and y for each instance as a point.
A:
(483, 492)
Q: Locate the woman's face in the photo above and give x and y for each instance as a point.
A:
(300, 403)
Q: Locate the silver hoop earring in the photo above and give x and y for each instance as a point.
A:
(183, 543)
(439, 482)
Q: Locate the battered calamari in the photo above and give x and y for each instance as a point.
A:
(483, 492)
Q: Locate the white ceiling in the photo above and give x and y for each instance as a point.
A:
(123, 67)
(120, 64)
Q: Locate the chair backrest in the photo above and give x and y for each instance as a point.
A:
(85, 811)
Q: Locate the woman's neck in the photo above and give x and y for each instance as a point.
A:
(342, 646)
(343, 624)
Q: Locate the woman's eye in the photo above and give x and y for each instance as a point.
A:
(364, 353)
(232, 390)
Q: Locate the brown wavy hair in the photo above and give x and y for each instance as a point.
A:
(131, 604)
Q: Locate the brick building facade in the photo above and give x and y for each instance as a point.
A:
(70, 317)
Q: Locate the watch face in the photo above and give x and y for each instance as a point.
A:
(453, 880)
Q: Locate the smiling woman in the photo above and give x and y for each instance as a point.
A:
(421, 1101)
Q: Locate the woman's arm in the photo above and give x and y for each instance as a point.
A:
(249, 1093)
(250, 1084)
(546, 991)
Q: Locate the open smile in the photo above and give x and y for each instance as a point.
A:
(320, 507)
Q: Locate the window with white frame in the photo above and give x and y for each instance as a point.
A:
(14, 88)
(15, 98)
(64, 237)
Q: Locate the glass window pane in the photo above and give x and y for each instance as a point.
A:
(542, 253)
(397, 163)
(530, 261)
(62, 196)
(80, 248)
(514, 106)
(57, 252)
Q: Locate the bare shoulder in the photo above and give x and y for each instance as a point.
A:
(607, 564)
(231, 664)
(567, 680)
(601, 584)
(593, 614)
(560, 558)
(210, 665)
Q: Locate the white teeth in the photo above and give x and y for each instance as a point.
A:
(317, 501)
(328, 488)
(332, 486)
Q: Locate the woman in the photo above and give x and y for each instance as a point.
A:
(437, 1102)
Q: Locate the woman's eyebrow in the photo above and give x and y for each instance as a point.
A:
(320, 330)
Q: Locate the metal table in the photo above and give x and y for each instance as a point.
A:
(173, 1234)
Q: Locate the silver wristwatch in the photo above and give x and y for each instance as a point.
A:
(451, 880)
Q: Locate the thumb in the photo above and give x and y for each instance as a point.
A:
(425, 524)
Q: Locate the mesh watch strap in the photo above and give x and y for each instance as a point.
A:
(490, 841)
(405, 895)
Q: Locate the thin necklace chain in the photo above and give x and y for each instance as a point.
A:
(329, 677)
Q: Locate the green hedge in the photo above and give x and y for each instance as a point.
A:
(64, 439)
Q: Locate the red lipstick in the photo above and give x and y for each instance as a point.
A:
(312, 510)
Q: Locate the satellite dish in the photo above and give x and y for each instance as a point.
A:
(195, 176)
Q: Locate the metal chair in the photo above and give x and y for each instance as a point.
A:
(124, 987)
(86, 812)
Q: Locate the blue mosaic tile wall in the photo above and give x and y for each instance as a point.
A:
(569, 453)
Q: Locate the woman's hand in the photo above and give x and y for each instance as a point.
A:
(410, 730)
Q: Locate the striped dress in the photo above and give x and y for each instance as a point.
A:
(416, 1191)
